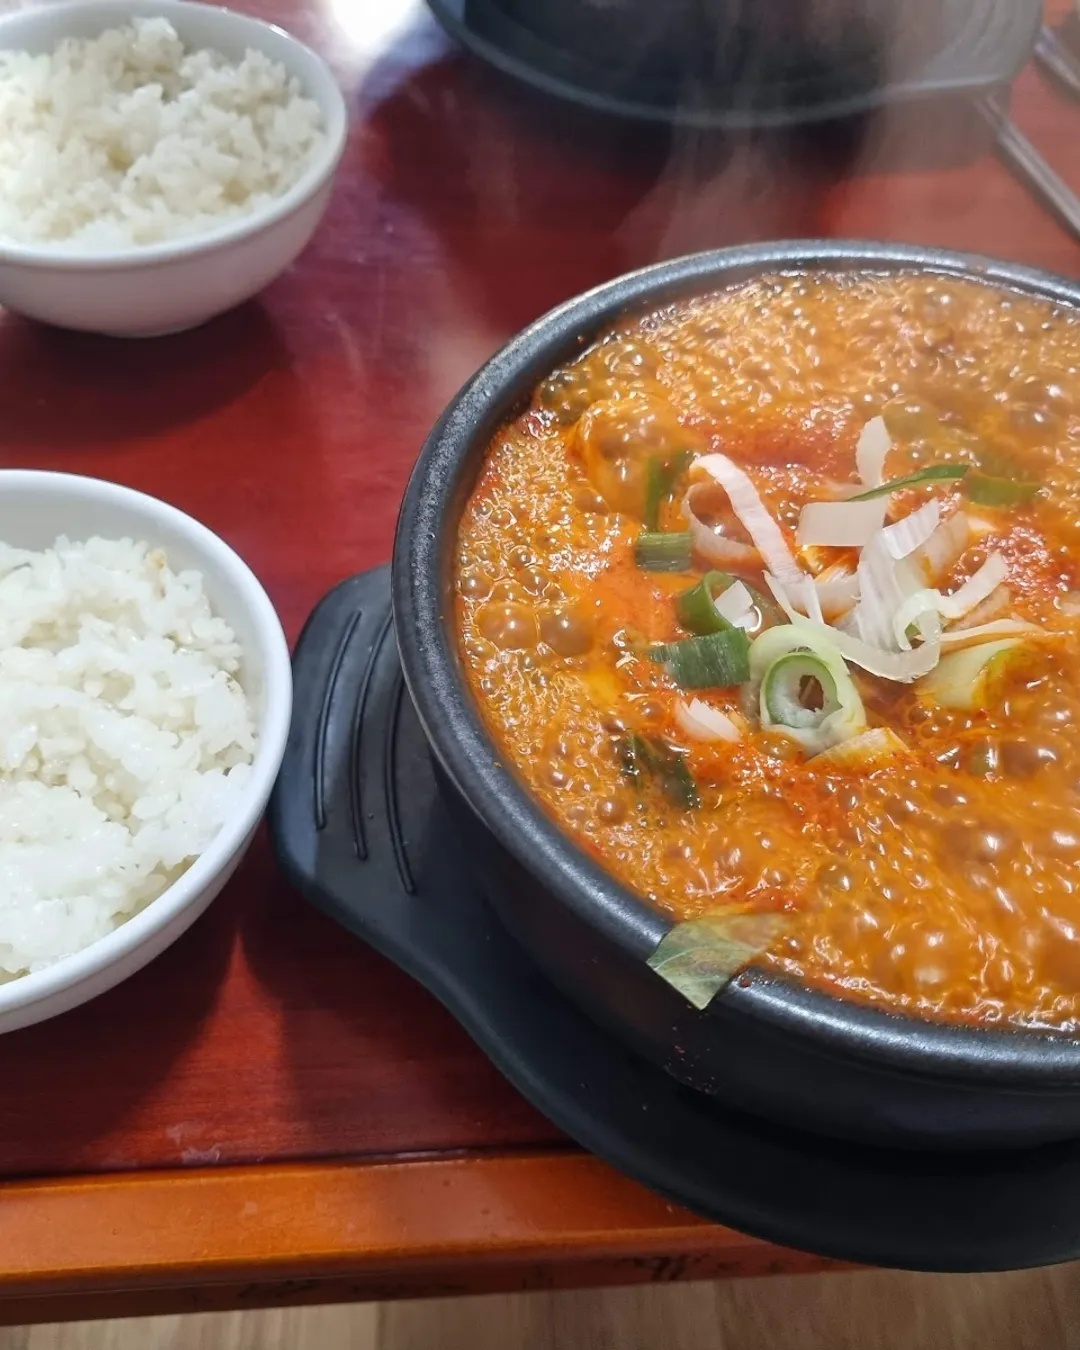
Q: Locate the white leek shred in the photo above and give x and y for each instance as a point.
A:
(808, 599)
(753, 515)
(977, 587)
(704, 723)
(863, 751)
(711, 544)
(915, 608)
(736, 605)
(782, 598)
(873, 446)
(944, 547)
(900, 666)
(997, 603)
(885, 583)
(871, 613)
(954, 638)
(840, 524)
(912, 531)
(837, 591)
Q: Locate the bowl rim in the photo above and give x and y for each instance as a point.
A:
(314, 178)
(26, 991)
(1014, 1058)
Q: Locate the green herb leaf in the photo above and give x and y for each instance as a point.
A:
(714, 661)
(634, 756)
(678, 783)
(663, 552)
(640, 757)
(700, 956)
(986, 490)
(933, 473)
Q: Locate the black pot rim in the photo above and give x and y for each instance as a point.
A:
(423, 612)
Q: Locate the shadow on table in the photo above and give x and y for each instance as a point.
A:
(377, 1065)
(64, 390)
(78, 1092)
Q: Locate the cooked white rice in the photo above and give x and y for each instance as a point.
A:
(127, 139)
(125, 739)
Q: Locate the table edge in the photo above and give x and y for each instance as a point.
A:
(326, 1231)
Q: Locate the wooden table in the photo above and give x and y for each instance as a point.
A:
(270, 1112)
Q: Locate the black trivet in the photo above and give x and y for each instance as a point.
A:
(361, 830)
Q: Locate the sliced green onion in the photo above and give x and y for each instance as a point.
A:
(654, 552)
(661, 475)
(714, 661)
(793, 685)
(972, 678)
(695, 609)
(641, 757)
(986, 490)
(933, 473)
(844, 720)
(655, 490)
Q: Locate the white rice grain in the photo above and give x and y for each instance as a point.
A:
(127, 139)
(125, 739)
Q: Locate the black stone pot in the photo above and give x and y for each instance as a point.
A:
(766, 1044)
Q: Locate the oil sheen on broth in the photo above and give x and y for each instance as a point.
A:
(921, 837)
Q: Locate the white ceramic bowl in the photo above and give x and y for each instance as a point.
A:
(34, 509)
(167, 287)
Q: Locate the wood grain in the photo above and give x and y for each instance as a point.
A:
(465, 208)
(1030, 1310)
(241, 1237)
(1037, 1310)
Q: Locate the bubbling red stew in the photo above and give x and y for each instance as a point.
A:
(771, 599)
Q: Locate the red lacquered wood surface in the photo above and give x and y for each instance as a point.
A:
(465, 207)
(239, 1237)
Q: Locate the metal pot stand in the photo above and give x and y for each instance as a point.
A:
(1057, 50)
(360, 828)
